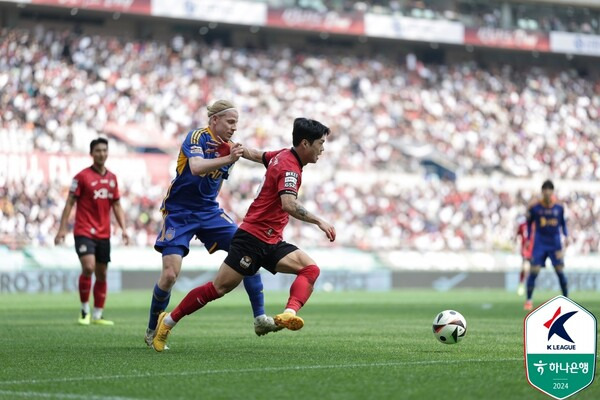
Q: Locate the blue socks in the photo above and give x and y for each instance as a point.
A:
(160, 301)
(562, 279)
(530, 284)
(254, 287)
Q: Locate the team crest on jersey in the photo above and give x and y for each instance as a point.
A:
(82, 248)
(111, 183)
(170, 233)
(245, 262)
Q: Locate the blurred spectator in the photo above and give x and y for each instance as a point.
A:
(59, 90)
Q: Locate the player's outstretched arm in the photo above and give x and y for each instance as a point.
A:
(64, 218)
(292, 206)
(253, 155)
(201, 166)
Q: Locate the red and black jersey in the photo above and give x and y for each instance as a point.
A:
(265, 218)
(95, 194)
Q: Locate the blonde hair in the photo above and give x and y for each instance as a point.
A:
(218, 107)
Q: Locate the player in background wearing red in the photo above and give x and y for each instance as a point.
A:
(96, 191)
(259, 240)
(526, 249)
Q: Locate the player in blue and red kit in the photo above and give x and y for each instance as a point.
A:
(190, 209)
(548, 218)
(259, 240)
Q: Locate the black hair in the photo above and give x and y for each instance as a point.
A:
(308, 129)
(96, 142)
(548, 185)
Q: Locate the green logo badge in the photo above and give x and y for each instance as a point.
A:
(560, 347)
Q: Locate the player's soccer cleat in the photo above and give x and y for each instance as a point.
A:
(84, 319)
(528, 305)
(102, 321)
(521, 289)
(149, 336)
(289, 321)
(265, 325)
(159, 343)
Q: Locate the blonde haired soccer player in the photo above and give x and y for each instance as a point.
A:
(190, 209)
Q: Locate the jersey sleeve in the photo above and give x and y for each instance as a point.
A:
(268, 155)
(116, 193)
(288, 181)
(194, 144)
(76, 185)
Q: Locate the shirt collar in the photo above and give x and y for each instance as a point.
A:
(297, 157)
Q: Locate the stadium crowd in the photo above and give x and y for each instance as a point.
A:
(60, 90)
(472, 13)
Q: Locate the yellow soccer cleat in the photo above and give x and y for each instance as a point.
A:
(84, 319)
(289, 321)
(159, 343)
(102, 321)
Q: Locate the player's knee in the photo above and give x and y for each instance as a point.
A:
(168, 277)
(311, 273)
(222, 288)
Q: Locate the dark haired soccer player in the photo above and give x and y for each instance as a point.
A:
(190, 209)
(259, 240)
(548, 218)
(96, 191)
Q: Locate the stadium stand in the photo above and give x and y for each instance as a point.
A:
(60, 88)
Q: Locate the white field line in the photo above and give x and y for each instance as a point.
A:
(38, 395)
(243, 370)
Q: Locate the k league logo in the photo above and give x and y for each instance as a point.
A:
(560, 347)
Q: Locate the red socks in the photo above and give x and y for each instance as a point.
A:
(85, 284)
(99, 294)
(302, 287)
(195, 300)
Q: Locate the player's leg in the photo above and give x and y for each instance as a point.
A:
(297, 262)
(558, 262)
(85, 249)
(100, 286)
(173, 242)
(226, 280)
(522, 275)
(217, 235)
(538, 260)
(161, 294)
(100, 289)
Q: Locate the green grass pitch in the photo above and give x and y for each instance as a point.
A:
(354, 346)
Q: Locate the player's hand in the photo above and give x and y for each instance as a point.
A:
(237, 150)
(125, 237)
(60, 237)
(213, 144)
(328, 229)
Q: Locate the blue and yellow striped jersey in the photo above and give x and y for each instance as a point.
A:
(189, 192)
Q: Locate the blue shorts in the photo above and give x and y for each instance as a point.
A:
(215, 229)
(541, 253)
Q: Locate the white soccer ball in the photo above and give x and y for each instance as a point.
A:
(449, 327)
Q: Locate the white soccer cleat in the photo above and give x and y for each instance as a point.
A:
(264, 325)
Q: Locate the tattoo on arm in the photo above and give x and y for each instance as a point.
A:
(301, 211)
